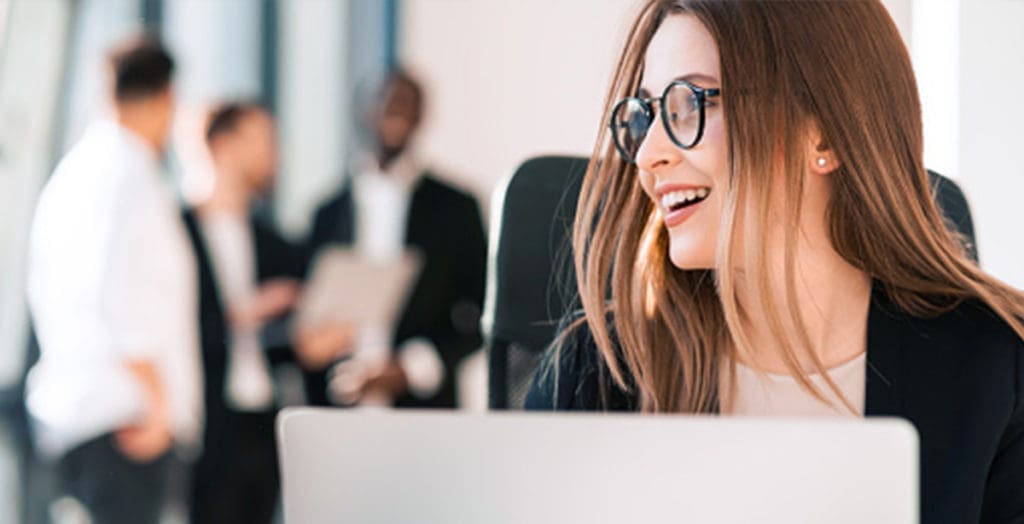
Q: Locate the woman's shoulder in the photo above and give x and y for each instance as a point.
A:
(572, 375)
(989, 339)
(972, 328)
(985, 356)
(970, 344)
(969, 325)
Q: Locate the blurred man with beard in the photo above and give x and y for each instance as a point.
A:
(392, 203)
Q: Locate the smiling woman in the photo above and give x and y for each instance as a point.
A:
(761, 239)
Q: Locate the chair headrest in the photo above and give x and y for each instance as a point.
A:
(533, 280)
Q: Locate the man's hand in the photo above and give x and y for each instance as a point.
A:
(318, 347)
(272, 299)
(389, 380)
(354, 379)
(151, 437)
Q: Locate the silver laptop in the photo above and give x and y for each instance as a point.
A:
(342, 466)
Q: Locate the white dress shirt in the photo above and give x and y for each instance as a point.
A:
(228, 238)
(382, 202)
(111, 279)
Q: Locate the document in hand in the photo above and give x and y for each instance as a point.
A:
(348, 287)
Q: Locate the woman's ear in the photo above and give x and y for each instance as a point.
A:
(823, 160)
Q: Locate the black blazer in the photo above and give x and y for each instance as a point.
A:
(444, 225)
(274, 258)
(959, 378)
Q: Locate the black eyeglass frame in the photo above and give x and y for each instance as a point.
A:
(702, 95)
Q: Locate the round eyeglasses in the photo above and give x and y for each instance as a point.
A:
(682, 113)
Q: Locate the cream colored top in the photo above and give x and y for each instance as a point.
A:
(757, 393)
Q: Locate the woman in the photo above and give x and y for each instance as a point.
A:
(756, 235)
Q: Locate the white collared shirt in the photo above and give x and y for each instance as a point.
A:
(111, 279)
(382, 201)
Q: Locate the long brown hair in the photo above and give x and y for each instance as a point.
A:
(784, 65)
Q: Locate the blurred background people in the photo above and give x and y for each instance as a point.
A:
(393, 202)
(248, 282)
(112, 292)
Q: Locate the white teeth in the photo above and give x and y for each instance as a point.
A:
(670, 200)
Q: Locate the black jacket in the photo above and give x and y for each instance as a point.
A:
(959, 378)
(274, 258)
(444, 225)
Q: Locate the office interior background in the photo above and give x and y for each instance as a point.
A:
(505, 80)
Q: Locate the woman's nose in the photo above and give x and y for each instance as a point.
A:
(657, 152)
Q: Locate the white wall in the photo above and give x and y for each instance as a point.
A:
(312, 106)
(507, 80)
(97, 25)
(969, 61)
(991, 130)
(902, 12)
(935, 47)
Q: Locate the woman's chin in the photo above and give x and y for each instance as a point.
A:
(688, 256)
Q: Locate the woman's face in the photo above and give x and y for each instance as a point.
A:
(675, 178)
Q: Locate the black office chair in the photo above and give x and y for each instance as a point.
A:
(531, 282)
(953, 204)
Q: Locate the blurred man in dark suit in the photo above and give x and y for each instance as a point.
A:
(248, 283)
(391, 203)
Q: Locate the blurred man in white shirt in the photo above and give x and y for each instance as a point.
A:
(113, 296)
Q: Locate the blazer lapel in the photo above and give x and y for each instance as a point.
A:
(345, 217)
(413, 220)
(885, 385)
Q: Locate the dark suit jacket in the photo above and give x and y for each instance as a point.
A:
(275, 258)
(959, 378)
(444, 225)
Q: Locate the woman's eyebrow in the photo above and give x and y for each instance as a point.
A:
(699, 79)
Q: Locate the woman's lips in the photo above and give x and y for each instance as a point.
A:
(679, 202)
(677, 217)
